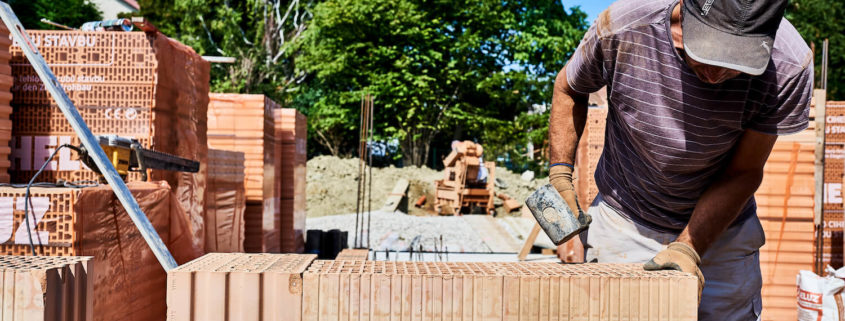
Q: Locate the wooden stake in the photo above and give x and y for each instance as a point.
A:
(529, 242)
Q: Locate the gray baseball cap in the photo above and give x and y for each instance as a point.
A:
(734, 34)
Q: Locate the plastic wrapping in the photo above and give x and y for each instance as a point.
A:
(130, 283)
(181, 123)
(225, 202)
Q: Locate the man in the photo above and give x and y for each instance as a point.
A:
(698, 92)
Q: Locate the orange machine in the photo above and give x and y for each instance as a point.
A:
(465, 189)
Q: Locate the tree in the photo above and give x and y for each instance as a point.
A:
(817, 20)
(257, 33)
(433, 66)
(72, 13)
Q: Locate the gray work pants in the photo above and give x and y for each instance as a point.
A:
(731, 265)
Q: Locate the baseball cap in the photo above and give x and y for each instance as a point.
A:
(734, 34)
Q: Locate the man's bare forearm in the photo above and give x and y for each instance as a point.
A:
(718, 207)
(566, 121)
(722, 202)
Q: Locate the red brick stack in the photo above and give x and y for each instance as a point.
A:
(834, 168)
(785, 208)
(6, 82)
(291, 137)
(134, 84)
(245, 123)
(225, 202)
(589, 151)
(129, 283)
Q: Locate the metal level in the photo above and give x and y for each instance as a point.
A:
(88, 140)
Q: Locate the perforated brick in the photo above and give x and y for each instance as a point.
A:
(46, 288)
(363, 290)
(237, 286)
(353, 255)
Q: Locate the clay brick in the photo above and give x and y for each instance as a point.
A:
(47, 288)
(239, 286)
(497, 291)
(353, 255)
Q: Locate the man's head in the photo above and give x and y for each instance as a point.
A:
(723, 38)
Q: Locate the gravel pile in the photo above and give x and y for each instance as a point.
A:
(397, 231)
(332, 184)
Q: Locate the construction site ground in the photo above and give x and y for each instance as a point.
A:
(331, 205)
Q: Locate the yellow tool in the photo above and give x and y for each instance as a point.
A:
(127, 156)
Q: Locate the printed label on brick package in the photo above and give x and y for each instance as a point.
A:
(20, 235)
(66, 40)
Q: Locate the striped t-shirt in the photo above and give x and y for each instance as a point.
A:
(669, 134)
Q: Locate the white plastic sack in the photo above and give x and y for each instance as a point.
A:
(820, 298)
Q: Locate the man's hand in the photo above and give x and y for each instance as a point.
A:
(678, 256)
(561, 178)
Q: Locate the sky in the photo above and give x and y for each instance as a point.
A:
(591, 7)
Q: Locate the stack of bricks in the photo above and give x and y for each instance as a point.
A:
(141, 85)
(785, 201)
(225, 202)
(462, 189)
(230, 286)
(291, 156)
(6, 82)
(834, 168)
(245, 123)
(129, 282)
(46, 288)
(588, 153)
(364, 290)
(353, 255)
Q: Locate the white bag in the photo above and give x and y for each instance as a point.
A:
(820, 298)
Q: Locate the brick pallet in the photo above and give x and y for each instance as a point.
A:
(91, 222)
(785, 208)
(245, 123)
(291, 158)
(833, 173)
(377, 290)
(234, 286)
(6, 82)
(225, 202)
(46, 288)
(587, 157)
(137, 84)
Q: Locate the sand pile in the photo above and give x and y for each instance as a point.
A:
(333, 183)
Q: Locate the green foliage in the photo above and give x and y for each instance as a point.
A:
(439, 70)
(817, 20)
(471, 67)
(256, 32)
(72, 13)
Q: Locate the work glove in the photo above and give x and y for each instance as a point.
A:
(678, 256)
(561, 178)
